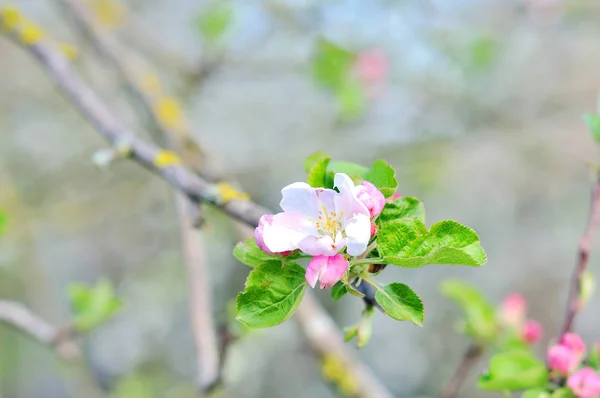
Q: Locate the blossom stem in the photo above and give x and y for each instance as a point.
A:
(360, 261)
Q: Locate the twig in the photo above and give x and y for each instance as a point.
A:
(585, 243)
(19, 316)
(315, 322)
(470, 357)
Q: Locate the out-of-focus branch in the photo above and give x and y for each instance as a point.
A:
(319, 329)
(585, 243)
(17, 315)
(469, 359)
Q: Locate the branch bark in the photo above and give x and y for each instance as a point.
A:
(17, 315)
(585, 243)
(469, 359)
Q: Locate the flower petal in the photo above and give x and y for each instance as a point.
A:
(346, 202)
(316, 267)
(316, 245)
(335, 270)
(286, 231)
(358, 234)
(300, 198)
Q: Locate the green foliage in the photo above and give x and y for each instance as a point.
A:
(587, 285)
(563, 393)
(3, 221)
(383, 176)
(273, 293)
(214, 21)
(515, 370)
(331, 65)
(93, 306)
(317, 175)
(247, 252)
(479, 315)
(401, 208)
(407, 243)
(401, 302)
(594, 357)
(593, 124)
(351, 100)
(484, 51)
(313, 159)
(353, 170)
(338, 291)
(363, 330)
(536, 393)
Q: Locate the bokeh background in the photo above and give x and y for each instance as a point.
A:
(479, 106)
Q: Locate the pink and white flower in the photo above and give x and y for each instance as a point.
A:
(585, 383)
(319, 221)
(575, 343)
(531, 331)
(513, 309)
(562, 359)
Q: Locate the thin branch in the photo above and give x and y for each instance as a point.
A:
(319, 329)
(469, 359)
(17, 315)
(585, 243)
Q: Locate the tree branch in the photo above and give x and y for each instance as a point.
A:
(196, 188)
(585, 243)
(469, 359)
(22, 318)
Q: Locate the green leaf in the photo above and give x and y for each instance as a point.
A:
(401, 303)
(93, 306)
(247, 252)
(383, 176)
(317, 175)
(365, 328)
(479, 314)
(514, 371)
(536, 393)
(407, 243)
(401, 208)
(3, 222)
(350, 333)
(483, 51)
(331, 64)
(351, 100)
(313, 159)
(594, 357)
(593, 124)
(352, 169)
(562, 393)
(215, 20)
(338, 291)
(273, 293)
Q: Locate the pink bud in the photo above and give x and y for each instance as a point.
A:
(532, 331)
(512, 309)
(392, 198)
(585, 383)
(371, 197)
(372, 67)
(574, 342)
(258, 232)
(562, 359)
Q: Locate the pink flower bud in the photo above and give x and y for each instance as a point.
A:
(372, 67)
(532, 331)
(585, 383)
(258, 232)
(512, 309)
(574, 342)
(371, 197)
(562, 359)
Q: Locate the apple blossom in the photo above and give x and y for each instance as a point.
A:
(531, 331)
(562, 359)
(585, 383)
(574, 342)
(371, 197)
(513, 309)
(327, 269)
(319, 221)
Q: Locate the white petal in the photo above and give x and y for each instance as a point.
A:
(319, 245)
(286, 230)
(346, 203)
(358, 233)
(301, 198)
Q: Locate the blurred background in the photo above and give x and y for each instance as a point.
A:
(478, 104)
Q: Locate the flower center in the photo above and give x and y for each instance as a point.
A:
(329, 222)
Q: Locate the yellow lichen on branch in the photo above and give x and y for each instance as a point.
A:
(168, 111)
(12, 20)
(165, 159)
(68, 50)
(228, 193)
(337, 372)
